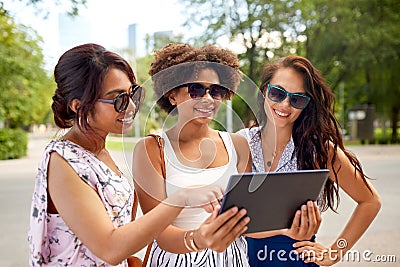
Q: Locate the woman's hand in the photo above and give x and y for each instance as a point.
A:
(317, 253)
(306, 222)
(219, 231)
(202, 196)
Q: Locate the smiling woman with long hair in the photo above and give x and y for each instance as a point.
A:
(297, 107)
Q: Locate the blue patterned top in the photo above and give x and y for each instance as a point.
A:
(287, 162)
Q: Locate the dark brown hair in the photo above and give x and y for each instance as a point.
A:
(177, 64)
(315, 127)
(80, 74)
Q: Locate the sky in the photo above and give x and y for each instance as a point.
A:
(108, 20)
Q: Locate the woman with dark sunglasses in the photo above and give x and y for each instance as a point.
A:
(192, 83)
(298, 131)
(83, 204)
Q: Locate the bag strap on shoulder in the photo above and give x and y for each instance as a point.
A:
(160, 142)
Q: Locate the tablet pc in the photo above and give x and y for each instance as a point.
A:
(272, 198)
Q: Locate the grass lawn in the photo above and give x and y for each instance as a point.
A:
(129, 145)
(120, 146)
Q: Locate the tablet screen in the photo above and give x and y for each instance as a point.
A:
(272, 203)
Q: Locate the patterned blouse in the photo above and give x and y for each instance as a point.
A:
(287, 162)
(51, 242)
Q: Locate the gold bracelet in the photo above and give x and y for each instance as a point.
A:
(185, 242)
(192, 244)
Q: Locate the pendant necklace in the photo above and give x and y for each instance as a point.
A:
(269, 162)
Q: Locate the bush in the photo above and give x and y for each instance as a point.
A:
(13, 143)
(150, 126)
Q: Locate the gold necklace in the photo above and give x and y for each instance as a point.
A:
(281, 149)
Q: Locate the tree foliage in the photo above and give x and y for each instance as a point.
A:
(355, 44)
(25, 88)
(259, 26)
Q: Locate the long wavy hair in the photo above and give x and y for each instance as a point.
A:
(315, 127)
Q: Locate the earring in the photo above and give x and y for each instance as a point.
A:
(172, 101)
(80, 121)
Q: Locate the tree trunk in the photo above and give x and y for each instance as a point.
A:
(395, 118)
(383, 122)
(252, 58)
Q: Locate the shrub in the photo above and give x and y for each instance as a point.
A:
(151, 126)
(13, 143)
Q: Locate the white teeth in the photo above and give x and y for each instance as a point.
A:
(204, 110)
(281, 113)
(129, 119)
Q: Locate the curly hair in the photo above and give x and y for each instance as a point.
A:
(315, 127)
(178, 64)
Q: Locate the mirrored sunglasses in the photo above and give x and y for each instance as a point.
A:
(278, 94)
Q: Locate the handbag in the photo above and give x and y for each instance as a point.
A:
(134, 261)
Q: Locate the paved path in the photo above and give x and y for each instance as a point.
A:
(382, 238)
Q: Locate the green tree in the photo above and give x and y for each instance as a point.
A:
(25, 88)
(261, 27)
(357, 43)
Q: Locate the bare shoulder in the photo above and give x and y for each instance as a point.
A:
(242, 151)
(61, 173)
(238, 140)
(147, 156)
(335, 150)
(57, 162)
(148, 145)
(240, 144)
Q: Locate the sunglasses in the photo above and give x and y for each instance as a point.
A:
(197, 90)
(121, 101)
(278, 94)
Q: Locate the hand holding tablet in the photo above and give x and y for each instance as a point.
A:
(272, 204)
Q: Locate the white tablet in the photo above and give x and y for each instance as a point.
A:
(272, 198)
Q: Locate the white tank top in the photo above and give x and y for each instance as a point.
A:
(179, 176)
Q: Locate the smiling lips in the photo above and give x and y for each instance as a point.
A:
(127, 119)
(205, 111)
(281, 114)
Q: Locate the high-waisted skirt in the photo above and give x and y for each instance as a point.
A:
(276, 251)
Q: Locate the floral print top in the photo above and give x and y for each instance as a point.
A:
(51, 242)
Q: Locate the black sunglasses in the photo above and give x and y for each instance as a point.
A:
(197, 90)
(121, 101)
(278, 94)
